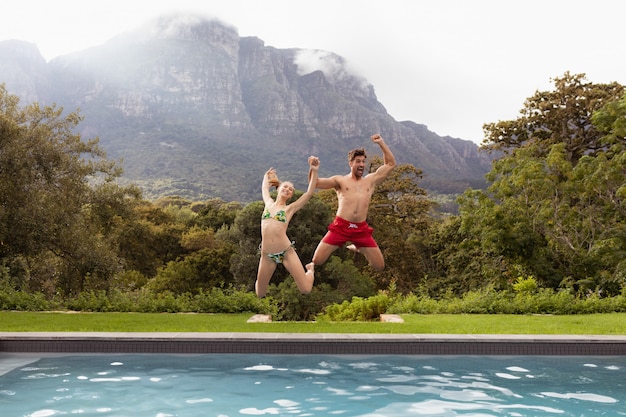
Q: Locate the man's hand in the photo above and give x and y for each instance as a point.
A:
(314, 162)
(377, 138)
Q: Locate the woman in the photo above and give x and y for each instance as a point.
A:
(276, 248)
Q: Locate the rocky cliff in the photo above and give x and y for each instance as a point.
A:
(194, 110)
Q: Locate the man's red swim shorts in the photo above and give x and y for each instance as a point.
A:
(341, 231)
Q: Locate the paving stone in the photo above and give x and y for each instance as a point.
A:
(260, 318)
(391, 318)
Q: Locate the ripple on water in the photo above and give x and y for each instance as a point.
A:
(583, 396)
(373, 386)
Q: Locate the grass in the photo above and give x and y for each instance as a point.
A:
(591, 324)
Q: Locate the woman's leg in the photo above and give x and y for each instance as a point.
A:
(304, 280)
(264, 274)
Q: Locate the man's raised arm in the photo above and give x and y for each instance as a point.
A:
(388, 158)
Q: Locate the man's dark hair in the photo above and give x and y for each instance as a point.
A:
(356, 152)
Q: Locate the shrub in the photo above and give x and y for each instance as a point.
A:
(215, 300)
(358, 309)
(419, 304)
(23, 301)
(291, 305)
(90, 301)
(229, 300)
(284, 302)
(164, 302)
(525, 285)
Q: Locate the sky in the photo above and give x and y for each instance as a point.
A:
(452, 65)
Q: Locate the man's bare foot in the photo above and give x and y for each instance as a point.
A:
(353, 248)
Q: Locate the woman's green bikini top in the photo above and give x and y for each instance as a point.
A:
(280, 215)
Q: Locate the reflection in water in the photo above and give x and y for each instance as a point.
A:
(295, 385)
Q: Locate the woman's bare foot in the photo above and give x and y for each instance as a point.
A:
(310, 277)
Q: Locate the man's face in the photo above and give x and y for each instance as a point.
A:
(357, 166)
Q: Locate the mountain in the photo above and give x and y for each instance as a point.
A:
(193, 109)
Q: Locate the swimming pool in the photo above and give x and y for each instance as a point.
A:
(158, 385)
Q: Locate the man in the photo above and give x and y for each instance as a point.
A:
(354, 192)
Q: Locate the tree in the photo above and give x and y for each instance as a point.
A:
(559, 116)
(215, 213)
(400, 213)
(54, 190)
(555, 204)
(149, 239)
(202, 269)
(610, 120)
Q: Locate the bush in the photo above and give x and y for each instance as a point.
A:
(12, 299)
(525, 285)
(359, 309)
(23, 301)
(215, 300)
(90, 301)
(489, 301)
(285, 303)
(164, 302)
(291, 305)
(419, 304)
(230, 300)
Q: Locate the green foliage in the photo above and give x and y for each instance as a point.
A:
(358, 309)
(490, 301)
(204, 268)
(525, 285)
(344, 281)
(285, 303)
(554, 206)
(562, 116)
(216, 213)
(291, 305)
(23, 301)
(414, 303)
(546, 237)
(609, 120)
(91, 301)
(177, 277)
(129, 280)
(400, 214)
(58, 198)
(347, 279)
(214, 300)
(166, 302)
(231, 300)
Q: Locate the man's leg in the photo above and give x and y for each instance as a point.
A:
(322, 253)
(374, 257)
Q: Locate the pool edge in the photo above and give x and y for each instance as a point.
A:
(312, 343)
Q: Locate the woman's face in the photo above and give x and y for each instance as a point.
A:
(286, 189)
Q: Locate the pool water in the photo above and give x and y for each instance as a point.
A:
(317, 385)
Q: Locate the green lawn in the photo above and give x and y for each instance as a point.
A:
(593, 324)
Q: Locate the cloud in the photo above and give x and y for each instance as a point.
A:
(334, 67)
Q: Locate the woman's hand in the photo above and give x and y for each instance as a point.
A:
(272, 178)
